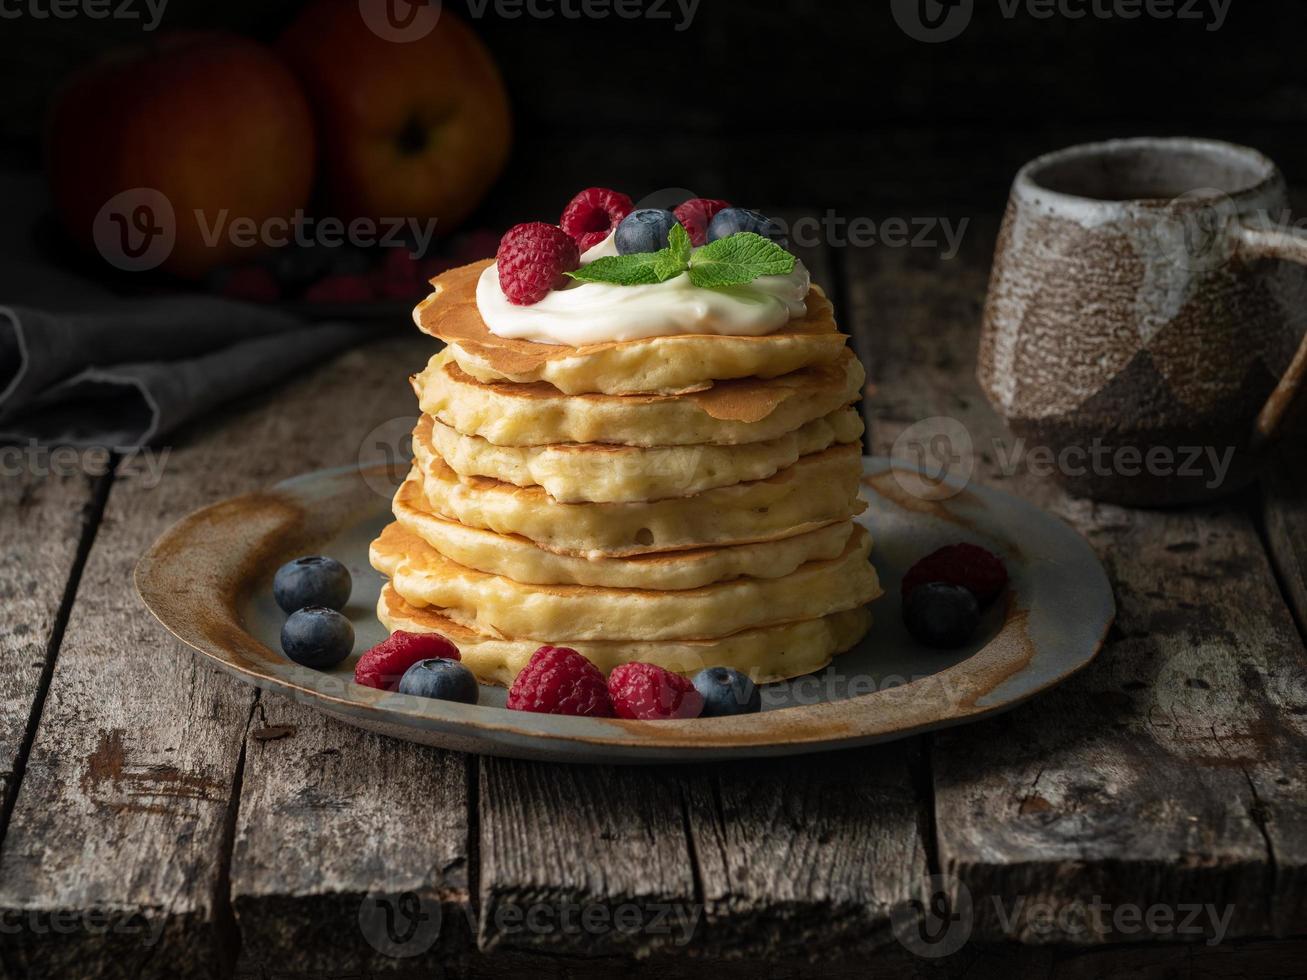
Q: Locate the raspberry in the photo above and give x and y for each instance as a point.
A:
(968, 565)
(695, 214)
(532, 259)
(591, 216)
(646, 692)
(559, 681)
(383, 665)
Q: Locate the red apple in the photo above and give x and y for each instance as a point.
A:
(192, 121)
(412, 116)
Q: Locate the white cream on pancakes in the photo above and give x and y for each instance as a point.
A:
(595, 312)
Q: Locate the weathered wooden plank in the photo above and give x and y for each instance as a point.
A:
(588, 860)
(810, 857)
(46, 518)
(123, 821)
(351, 849)
(1285, 503)
(1172, 770)
(806, 856)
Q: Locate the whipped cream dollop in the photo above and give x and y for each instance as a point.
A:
(597, 312)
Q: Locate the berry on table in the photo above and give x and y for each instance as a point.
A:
(963, 564)
(645, 230)
(444, 680)
(591, 216)
(532, 260)
(384, 665)
(647, 692)
(317, 637)
(732, 221)
(314, 580)
(941, 615)
(559, 681)
(726, 691)
(695, 215)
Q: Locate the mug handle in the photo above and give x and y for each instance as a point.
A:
(1264, 240)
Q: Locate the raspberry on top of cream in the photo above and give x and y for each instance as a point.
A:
(583, 313)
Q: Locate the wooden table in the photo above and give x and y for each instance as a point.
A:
(160, 819)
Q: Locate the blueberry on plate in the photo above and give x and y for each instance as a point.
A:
(726, 692)
(317, 637)
(732, 221)
(645, 230)
(444, 680)
(313, 580)
(941, 615)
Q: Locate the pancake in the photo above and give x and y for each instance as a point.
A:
(519, 559)
(767, 654)
(727, 414)
(819, 489)
(662, 365)
(600, 473)
(499, 606)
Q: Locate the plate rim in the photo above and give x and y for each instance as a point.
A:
(845, 723)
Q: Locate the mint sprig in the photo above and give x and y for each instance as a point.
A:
(730, 261)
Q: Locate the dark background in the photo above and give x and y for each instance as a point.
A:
(803, 104)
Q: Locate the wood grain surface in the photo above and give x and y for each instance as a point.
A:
(1174, 769)
(168, 821)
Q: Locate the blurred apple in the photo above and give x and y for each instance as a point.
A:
(412, 117)
(195, 121)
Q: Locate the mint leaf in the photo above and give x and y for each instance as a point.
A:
(637, 269)
(730, 261)
(737, 259)
(675, 258)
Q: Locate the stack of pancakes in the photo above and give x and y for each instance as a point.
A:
(683, 500)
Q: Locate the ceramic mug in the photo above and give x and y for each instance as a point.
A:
(1145, 330)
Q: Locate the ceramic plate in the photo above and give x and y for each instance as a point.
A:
(208, 580)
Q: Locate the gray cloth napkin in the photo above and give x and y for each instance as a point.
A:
(80, 366)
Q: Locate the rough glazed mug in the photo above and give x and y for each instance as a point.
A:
(1144, 328)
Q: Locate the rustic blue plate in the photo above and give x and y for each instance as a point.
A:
(1049, 625)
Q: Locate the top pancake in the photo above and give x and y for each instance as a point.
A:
(651, 365)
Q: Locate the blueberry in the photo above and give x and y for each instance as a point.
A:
(317, 637)
(645, 230)
(445, 680)
(311, 581)
(730, 221)
(726, 692)
(941, 615)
